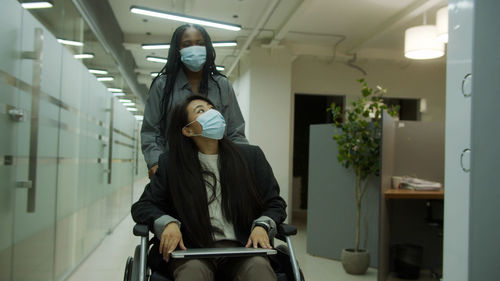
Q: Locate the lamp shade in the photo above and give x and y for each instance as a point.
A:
(442, 24)
(421, 43)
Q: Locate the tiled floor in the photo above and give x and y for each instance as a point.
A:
(108, 260)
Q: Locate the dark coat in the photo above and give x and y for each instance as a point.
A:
(156, 202)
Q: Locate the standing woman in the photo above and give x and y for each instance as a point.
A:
(190, 70)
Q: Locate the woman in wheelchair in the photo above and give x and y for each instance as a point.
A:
(210, 192)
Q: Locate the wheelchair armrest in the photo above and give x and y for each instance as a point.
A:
(285, 230)
(141, 230)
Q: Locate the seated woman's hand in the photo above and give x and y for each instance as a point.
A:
(170, 238)
(258, 237)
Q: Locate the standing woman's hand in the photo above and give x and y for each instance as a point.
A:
(170, 238)
(258, 237)
(152, 171)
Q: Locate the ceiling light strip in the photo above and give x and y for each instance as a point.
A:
(70, 42)
(183, 18)
(103, 79)
(98, 71)
(225, 44)
(37, 5)
(165, 46)
(156, 59)
(84, 56)
(155, 46)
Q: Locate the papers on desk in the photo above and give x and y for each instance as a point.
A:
(419, 184)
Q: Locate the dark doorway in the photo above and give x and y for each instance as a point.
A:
(309, 110)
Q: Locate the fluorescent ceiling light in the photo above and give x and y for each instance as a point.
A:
(155, 46)
(156, 59)
(108, 78)
(421, 43)
(115, 90)
(128, 104)
(124, 100)
(131, 109)
(225, 44)
(69, 42)
(84, 56)
(118, 94)
(139, 117)
(98, 71)
(183, 18)
(154, 74)
(36, 4)
(220, 68)
(164, 46)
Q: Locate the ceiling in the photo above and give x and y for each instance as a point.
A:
(374, 29)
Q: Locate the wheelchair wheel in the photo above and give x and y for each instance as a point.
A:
(134, 270)
(286, 251)
(128, 269)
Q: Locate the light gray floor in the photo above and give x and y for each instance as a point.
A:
(108, 260)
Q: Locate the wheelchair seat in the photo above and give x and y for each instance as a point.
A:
(284, 262)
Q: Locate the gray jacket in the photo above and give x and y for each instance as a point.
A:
(154, 142)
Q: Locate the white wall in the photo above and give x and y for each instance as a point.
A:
(264, 95)
(242, 90)
(410, 80)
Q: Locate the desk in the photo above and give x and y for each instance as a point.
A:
(403, 220)
(412, 194)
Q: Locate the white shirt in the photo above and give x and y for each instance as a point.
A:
(210, 163)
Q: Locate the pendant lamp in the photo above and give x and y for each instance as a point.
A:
(421, 42)
(442, 24)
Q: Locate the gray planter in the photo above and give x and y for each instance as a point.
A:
(355, 262)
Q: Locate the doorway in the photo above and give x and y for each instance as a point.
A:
(309, 109)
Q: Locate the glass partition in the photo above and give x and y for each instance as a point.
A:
(68, 152)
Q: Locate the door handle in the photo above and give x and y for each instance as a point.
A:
(465, 151)
(36, 56)
(110, 147)
(15, 114)
(24, 184)
(467, 85)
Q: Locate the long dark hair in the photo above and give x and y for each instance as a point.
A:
(174, 64)
(241, 202)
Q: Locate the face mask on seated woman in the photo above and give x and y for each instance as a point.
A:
(213, 124)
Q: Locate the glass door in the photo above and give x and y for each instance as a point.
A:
(36, 140)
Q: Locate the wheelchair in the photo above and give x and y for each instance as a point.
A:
(284, 262)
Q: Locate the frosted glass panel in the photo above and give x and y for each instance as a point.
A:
(10, 23)
(48, 229)
(34, 222)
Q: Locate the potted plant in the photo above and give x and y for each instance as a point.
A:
(358, 149)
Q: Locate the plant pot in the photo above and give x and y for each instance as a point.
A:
(355, 262)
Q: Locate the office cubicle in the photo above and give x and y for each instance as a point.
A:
(410, 148)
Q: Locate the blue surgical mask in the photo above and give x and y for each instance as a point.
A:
(213, 124)
(194, 57)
